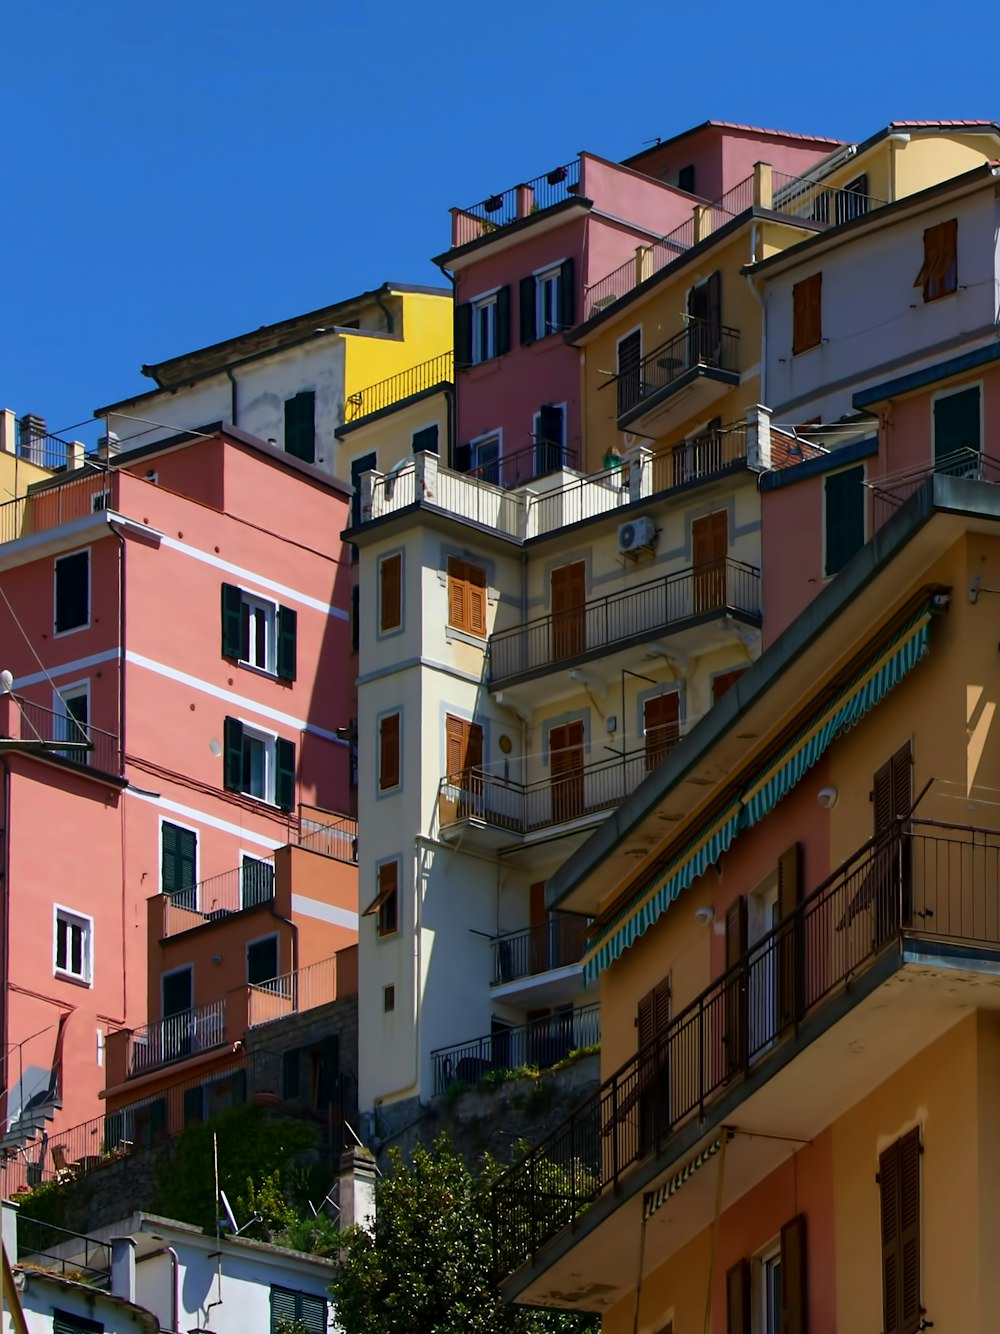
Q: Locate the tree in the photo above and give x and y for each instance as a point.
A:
(428, 1265)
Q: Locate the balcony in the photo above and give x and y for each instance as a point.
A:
(495, 812)
(496, 212)
(694, 600)
(177, 1037)
(375, 398)
(539, 1043)
(303, 989)
(702, 360)
(48, 505)
(539, 967)
(31, 728)
(883, 957)
(804, 197)
(893, 490)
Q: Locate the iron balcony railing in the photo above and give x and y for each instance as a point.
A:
(291, 992)
(404, 384)
(701, 343)
(522, 466)
(519, 201)
(892, 491)
(86, 744)
(243, 886)
(539, 1043)
(72, 1255)
(177, 1037)
(38, 447)
(545, 644)
(49, 505)
(523, 808)
(931, 879)
(802, 197)
(336, 838)
(555, 943)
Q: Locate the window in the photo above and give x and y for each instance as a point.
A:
(547, 302)
(767, 1310)
(71, 706)
(426, 441)
(852, 201)
(386, 901)
(723, 680)
(68, 1322)
(482, 328)
(256, 881)
(629, 367)
(768, 1294)
(355, 618)
(100, 501)
(550, 438)
(359, 466)
(958, 431)
(390, 600)
(259, 764)
(938, 274)
(258, 633)
(806, 314)
(388, 752)
(466, 597)
(72, 599)
(844, 517)
(899, 1192)
(300, 426)
(661, 726)
(299, 1308)
(388, 999)
(262, 961)
(685, 179)
(73, 945)
(651, 1022)
(179, 864)
(485, 458)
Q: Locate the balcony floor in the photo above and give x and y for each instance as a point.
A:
(538, 991)
(693, 392)
(855, 1043)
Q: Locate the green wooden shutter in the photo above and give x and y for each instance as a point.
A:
(68, 1322)
(178, 848)
(287, 627)
(232, 623)
(300, 426)
(284, 785)
(193, 1105)
(283, 1307)
(527, 311)
(157, 1120)
(463, 335)
(312, 1313)
(503, 321)
(355, 618)
(290, 1063)
(239, 1088)
(956, 429)
(233, 755)
(426, 441)
(567, 295)
(738, 1298)
(845, 517)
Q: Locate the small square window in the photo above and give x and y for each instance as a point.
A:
(73, 945)
(72, 593)
(938, 274)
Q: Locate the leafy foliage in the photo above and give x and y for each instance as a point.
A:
(429, 1263)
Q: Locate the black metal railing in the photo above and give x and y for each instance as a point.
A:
(551, 641)
(555, 943)
(59, 1251)
(523, 465)
(394, 388)
(82, 743)
(519, 201)
(539, 1043)
(931, 879)
(36, 446)
(701, 343)
(801, 197)
(889, 493)
(523, 808)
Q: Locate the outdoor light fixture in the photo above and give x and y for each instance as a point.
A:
(827, 796)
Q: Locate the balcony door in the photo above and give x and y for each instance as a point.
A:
(538, 918)
(629, 371)
(566, 768)
(705, 322)
(709, 548)
(568, 588)
(464, 761)
(177, 996)
(661, 727)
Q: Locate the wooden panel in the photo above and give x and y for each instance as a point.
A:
(566, 770)
(709, 548)
(568, 586)
(661, 726)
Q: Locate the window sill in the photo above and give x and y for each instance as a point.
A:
(259, 671)
(73, 630)
(77, 981)
(804, 350)
(465, 637)
(389, 633)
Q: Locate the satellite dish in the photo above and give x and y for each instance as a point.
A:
(230, 1217)
(6, 681)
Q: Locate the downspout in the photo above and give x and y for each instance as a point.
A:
(175, 1291)
(121, 744)
(389, 323)
(233, 402)
(453, 399)
(5, 871)
(763, 316)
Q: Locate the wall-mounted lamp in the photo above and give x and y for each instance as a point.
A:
(827, 797)
(705, 914)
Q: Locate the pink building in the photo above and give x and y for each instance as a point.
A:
(180, 621)
(537, 259)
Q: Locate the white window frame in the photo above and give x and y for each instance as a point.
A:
(191, 829)
(252, 857)
(71, 917)
(478, 442)
(760, 1267)
(270, 740)
(269, 610)
(536, 418)
(484, 348)
(548, 279)
(60, 698)
(100, 501)
(74, 630)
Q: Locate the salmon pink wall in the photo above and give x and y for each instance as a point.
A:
(791, 552)
(802, 1185)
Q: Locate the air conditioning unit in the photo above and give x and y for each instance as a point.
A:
(636, 536)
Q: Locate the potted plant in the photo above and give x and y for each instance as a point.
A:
(556, 176)
(494, 204)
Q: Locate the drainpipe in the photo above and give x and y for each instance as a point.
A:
(389, 324)
(175, 1291)
(763, 315)
(233, 403)
(121, 744)
(5, 888)
(452, 400)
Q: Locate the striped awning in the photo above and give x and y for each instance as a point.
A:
(656, 1199)
(885, 671)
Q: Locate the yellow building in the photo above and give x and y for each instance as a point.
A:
(28, 454)
(797, 936)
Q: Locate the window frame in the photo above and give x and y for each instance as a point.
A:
(838, 472)
(489, 305)
(933, 285)
(384, 630)
(60, 698)
(72, 917)
(765, 1265)
(251, 603)
(298, 1295)
(387, 789)
(256, 859)
(469, 626)
(84, 625)
(269, 741)
(475, 463)
(811, 334)
(953, 392)
(548, 280)
(260, 940)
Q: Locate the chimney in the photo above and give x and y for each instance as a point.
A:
(31, 443)
(357, 1188)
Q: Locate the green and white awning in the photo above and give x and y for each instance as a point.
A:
(886, 670)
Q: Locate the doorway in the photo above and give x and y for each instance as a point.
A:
(568, 591)
(709, 548)
(566, 770)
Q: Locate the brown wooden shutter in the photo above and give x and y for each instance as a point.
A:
(391, 593)
(790, 935)
(736, 994)
(388, 898)
(891, 791)
(807, 297)
(794, 1313)
(888, 1180)
(645, 1029)
(738, 1298)
(909, 1231)
(661, 725)
(388, 769)
(476, 583)
(458, 605)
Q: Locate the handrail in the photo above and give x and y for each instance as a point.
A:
(538, 459)
(84, 743)
(557, 637)
(177, 1036)
(700, 343)
(550, 188)
(393, 388)
(539, 1042)
(928, 879)
(806, 197)
(554, 943)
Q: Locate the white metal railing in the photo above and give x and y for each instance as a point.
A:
(289, 993)
(177, 1036)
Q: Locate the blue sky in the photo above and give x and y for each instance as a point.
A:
(182, 172)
